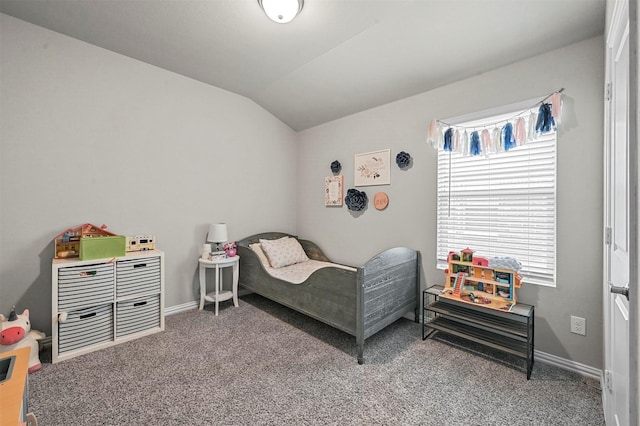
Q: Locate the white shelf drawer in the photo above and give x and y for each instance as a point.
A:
(138, 276)
(87, 285)
(86, 327)
(136, 315)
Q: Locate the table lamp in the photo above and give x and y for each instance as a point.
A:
(217, 234)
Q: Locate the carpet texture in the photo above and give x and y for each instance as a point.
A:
(264, 364)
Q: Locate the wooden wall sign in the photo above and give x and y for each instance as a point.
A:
(381, 200)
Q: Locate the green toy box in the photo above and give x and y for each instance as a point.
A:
(102, 247)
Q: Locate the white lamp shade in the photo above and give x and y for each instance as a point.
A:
(217, 233)
(281, 11)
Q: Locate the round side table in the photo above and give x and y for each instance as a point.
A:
(218, 295)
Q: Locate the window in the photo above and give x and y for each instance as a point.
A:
(500, 205)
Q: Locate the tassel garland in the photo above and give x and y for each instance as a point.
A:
(475, 144)
(521, 134)
(508, 139)
(531, 130)
(556, 109)
(496, 146)
(456, 140)
(463, 143)
(545, 122)
(518, 130)
(486, 142)
(434, 137)
(448, 136)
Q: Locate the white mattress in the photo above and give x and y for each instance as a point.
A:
(297, 273)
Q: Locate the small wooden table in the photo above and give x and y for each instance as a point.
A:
(218, 295)
(13, 391)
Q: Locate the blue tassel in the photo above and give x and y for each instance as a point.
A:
(448, 137)
(508, 139)
(545, 122)
(475, 149)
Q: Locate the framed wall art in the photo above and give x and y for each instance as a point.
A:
(333, 190)
(372, 168)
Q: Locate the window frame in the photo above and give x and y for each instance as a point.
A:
(479, 120)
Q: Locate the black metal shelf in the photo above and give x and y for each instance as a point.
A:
(480, 320)
(508, 332)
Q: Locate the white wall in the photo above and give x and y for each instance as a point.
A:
(88, 135)
(410, 218)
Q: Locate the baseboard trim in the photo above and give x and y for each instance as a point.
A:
(576, 367)
(181, 308)
(193, 305)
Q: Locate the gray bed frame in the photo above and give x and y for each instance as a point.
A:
(360, 302)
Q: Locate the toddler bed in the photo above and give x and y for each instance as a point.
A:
(357, 300)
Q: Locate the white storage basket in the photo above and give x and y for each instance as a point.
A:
(86, 327)
(87, 285)
(138, 276)
(137, 315)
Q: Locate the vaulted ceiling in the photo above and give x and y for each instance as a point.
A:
(338, 57)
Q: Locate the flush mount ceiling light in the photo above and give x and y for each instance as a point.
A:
(281, 11)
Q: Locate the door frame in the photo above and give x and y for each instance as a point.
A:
(634, 230)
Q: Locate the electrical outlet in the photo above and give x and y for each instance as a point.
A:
(578, 325)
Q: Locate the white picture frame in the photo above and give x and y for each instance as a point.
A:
(333, 190)
(372, 168)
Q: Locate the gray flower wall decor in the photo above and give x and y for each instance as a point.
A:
(403, 159)
(336, 167)
(356, 200)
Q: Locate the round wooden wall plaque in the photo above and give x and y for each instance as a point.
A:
(381, 200)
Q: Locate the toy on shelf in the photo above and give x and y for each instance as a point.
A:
(16, 333)
(484, 282)
(88, 242)
(141, 243)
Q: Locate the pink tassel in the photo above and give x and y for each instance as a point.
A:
(459, 143)
(486, 142)
(434, 136)
(431, 133)
(556, 106)
(521, 134)
(456, 141)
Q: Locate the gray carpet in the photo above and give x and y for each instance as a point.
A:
(263, 364)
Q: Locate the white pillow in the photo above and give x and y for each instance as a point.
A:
(283, 252)
(257, 248)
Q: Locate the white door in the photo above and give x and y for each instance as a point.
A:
(617, 215)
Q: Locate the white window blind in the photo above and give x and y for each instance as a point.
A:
(501, 205)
